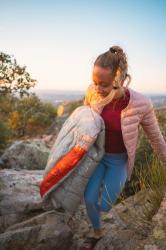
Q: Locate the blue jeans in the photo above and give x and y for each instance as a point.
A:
(105, 185)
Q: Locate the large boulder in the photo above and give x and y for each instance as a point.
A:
(23, 222)
(126, 226)
(131, 225)
(26, 155)
(19, 196)
(158, 236)
(48, 140)
(42, 232)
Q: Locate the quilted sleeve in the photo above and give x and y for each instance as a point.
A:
(152, 130)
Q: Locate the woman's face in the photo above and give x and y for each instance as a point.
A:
(102, 79)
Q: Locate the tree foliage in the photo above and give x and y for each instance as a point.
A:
(13, 77)
(5, 133)
(26, 116)
(31, 116)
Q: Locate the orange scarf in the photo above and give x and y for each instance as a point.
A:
(93, 99)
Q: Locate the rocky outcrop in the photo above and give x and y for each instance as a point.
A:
(19, 196)
(26, 224)
(23, 222)
(157, 238)
(134, 231)
(25, 155)
(45, 231)
(48, 140)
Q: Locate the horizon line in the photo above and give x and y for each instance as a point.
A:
(83, 91)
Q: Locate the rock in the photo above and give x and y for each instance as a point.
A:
(2, 164)
(159, 226)
(26, 155)
(125, 226)
(44, 232)
(19, 195)
(151, 247)
(48, 140)
(49, 217)
(24, 224)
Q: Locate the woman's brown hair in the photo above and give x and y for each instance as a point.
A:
(116, 60)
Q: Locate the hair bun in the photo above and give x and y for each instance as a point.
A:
(116, 49)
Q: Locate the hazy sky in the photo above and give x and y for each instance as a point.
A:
(58, 41)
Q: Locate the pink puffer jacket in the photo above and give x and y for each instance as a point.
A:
(140, 111)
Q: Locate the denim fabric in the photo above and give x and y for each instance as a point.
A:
(105, 185)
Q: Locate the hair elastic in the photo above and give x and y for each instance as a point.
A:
(113, 50)
(115, 87)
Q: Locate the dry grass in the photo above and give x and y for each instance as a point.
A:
(152, 180)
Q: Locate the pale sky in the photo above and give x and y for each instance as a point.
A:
(59, 41)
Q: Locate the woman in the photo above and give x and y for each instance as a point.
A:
(123, 111)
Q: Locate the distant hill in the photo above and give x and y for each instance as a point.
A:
(59, 92)
(59, 96)
(158, 100)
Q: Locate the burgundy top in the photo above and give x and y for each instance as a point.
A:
(111, 115)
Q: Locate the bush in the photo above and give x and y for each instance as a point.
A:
(5, 134)
(31, 116)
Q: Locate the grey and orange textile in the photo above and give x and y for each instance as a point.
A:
(76, 152)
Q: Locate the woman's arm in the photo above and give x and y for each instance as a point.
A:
(152, 130)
